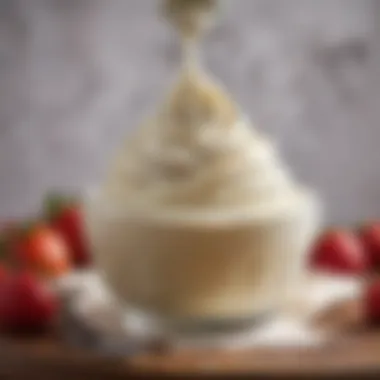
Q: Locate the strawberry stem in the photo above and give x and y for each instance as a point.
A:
(55, 202)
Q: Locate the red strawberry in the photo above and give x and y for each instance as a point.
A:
(7, 232)
(26, 304)
(65, 216)
(3, 274)
(339, 251)
(370, 236)
(42, 250)
(372, 303)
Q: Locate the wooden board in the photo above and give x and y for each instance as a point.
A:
(355, 353)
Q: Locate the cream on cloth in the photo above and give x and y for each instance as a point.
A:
(92, 304)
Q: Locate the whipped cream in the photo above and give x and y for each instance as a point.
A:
(198, 153)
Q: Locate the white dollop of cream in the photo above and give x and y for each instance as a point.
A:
(198, 153)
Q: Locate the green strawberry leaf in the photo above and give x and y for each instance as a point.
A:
(55, 202)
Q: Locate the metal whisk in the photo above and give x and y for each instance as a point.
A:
(190, 17)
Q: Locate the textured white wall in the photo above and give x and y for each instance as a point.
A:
(76, 75)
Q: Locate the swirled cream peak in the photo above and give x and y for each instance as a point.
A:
(197, 102)
(198, 152)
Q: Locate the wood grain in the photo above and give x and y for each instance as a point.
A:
(355, 353)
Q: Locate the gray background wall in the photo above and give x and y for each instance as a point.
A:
(76, 75)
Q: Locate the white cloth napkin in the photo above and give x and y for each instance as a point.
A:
(92, 304)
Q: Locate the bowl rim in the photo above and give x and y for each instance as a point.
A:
(306, 204)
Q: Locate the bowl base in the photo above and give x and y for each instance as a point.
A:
(196, 331)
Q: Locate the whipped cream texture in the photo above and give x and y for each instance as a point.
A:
(198, 152)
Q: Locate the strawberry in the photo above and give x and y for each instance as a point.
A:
(7, 232)
(372, 303)
(42, 250)
(370, 236)
(3, 274)
(26, 304)
(65, 215)
(340, 252)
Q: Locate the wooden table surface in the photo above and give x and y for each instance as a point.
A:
(355, 353)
